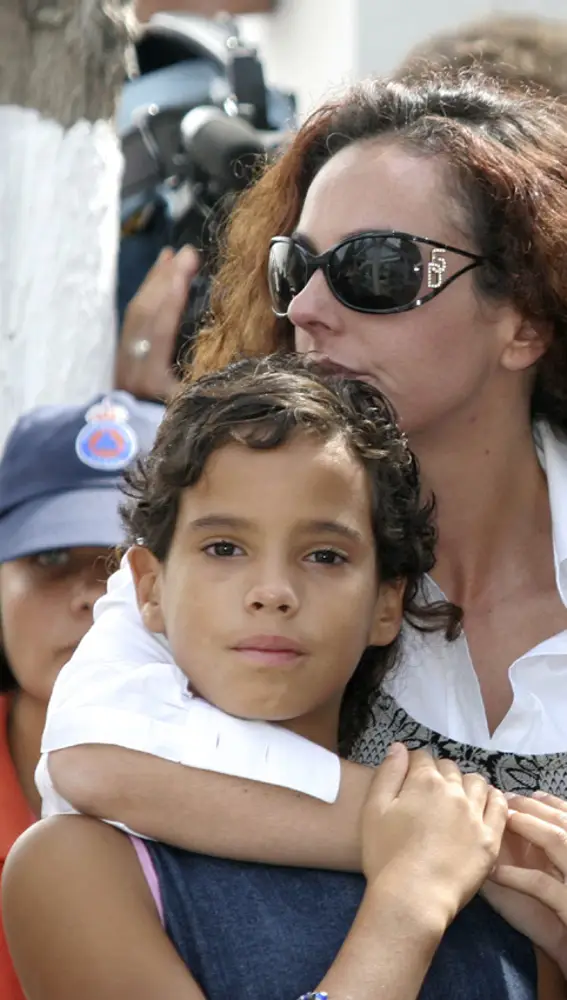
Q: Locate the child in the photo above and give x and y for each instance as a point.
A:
(60, 493)
(276, 503)
(125, 686)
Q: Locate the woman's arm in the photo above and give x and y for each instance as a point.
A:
(180, 805)
(80, 921)
(390, 946)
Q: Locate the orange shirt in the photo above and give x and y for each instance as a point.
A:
(15, 817)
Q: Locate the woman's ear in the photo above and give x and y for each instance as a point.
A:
(527, 345)
(389, 613)
(147, 573)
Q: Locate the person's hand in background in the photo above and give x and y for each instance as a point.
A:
(151, 324)
(528, 886)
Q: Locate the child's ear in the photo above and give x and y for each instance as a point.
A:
(147, 571)
(389, 613)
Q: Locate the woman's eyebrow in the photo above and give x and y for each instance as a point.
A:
(298, 237)
(306, 242)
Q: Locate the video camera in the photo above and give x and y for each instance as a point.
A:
(193, 125)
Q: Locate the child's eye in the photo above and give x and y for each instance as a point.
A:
(53, 558)
(326, 557)
(223, 550)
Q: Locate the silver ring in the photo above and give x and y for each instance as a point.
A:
(139, 349)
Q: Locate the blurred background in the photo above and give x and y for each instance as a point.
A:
(315, 45)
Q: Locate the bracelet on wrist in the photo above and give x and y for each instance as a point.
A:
(314, 996)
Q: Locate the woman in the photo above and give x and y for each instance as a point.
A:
(59, 525)
(460, 320)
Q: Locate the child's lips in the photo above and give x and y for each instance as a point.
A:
(271, 650)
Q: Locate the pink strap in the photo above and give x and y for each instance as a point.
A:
(150, 874)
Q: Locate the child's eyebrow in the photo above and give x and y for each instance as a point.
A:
(220, 521)
(332, 528)
(229, 521)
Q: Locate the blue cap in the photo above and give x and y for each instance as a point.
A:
(61, 472)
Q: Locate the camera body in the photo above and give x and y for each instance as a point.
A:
(193, 125)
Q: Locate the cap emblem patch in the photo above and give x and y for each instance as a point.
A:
(107, 442)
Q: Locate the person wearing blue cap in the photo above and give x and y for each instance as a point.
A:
(60, 479)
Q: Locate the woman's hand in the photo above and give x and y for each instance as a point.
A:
(151, 324)
(529, 884)
(432, 829)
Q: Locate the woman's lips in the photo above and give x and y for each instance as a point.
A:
(336, 368)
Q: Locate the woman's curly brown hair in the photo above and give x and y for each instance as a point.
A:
(262, 403)
(506, 155)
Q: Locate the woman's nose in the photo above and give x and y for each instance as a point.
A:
(313, 310)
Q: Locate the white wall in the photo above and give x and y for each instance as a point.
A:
(308, 46)
(311, 46)
(545, 8)
(388, 30)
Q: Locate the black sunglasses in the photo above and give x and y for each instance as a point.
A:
(376, 272)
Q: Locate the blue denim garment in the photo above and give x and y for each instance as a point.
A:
(252, 931)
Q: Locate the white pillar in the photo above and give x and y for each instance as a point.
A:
(60, 168)
(59, 217)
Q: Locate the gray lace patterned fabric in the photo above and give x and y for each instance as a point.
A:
(518, 773)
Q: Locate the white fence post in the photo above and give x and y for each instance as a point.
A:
(60, 166)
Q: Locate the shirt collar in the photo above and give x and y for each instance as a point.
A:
(552, 452)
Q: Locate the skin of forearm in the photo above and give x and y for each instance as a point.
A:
(389, 948)
(182, 806)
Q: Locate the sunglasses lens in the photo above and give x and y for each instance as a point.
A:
(377, 273)
(287, 274)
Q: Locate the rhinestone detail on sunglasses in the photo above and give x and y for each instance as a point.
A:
(383, 265)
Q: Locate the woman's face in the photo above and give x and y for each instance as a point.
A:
(46, 603)
(441, 361)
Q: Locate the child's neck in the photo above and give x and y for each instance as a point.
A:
(25, 727)
(320, 726)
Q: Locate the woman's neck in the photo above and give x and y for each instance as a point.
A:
(25, 727)
(492, 504)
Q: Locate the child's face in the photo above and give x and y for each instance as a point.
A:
(269, 594)
(47, 602)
